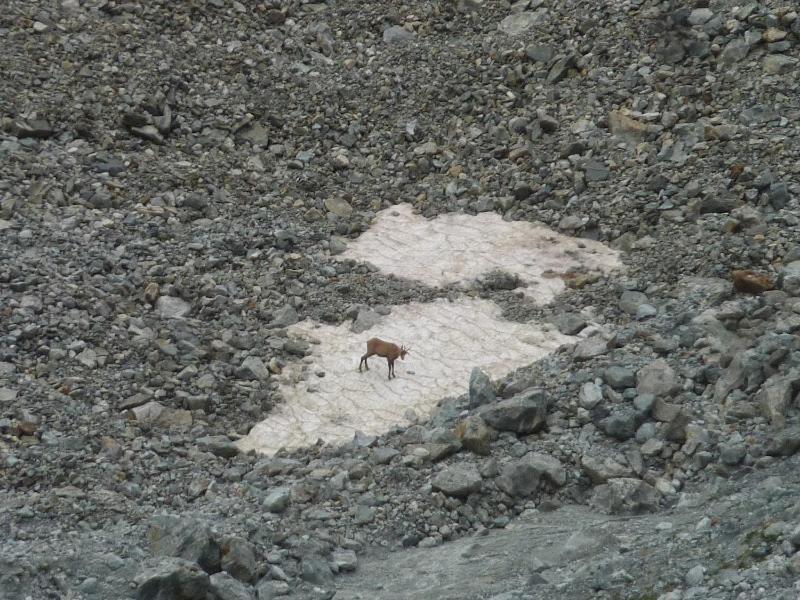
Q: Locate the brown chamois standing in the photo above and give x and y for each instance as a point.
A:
(386, 349)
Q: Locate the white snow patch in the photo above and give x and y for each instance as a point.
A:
(447, 339)
(458, 248)
(325, 395)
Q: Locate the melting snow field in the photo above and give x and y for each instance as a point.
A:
(456, 248)
(325, 395)
(446, 339)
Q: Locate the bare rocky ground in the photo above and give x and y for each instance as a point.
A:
(174, 179)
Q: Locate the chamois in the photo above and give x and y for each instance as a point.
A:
(386, 349)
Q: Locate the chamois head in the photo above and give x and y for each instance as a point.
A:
(403, 352)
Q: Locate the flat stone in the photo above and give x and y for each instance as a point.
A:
(277, 500)
(219, 445)
(601, 469)
(779, 64)
(630, 301)
(226, 587)
(170, 307)
(397, 35)
(625, 495)
(627, 128)
(521, 22)
(338, 206)
(657, 378)
(7, 395)
(458, 481)
(591, 347)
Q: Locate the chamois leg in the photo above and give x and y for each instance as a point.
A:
(390, 362)
(364, 361)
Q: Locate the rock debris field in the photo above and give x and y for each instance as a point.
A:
(581, 216)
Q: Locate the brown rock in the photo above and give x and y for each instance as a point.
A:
(750, 282)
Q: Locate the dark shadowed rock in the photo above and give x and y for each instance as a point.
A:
(569, 323)
(173, 579)
(619, 377)
(481, 390)
(220, 445)
(622, 422)
(239, 559)
(524, 413)
(169, 535)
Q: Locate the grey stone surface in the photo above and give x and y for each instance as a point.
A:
(457, 481)
(524, 413)
(481, 389)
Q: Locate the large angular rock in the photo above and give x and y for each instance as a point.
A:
(365, 320)
(600, 469)
(226, 587)
(548, 467)
(590, 347)
(253, 368)
(285, 316)
(619, 377)
(625, 495)
(657, 378)
(776, 395)
(186, 538)
(239, 559)
(590, 395)
(458, 481)
(622, 423)
(481, 390)
(518, 479)
(316, 571)
(522, 477)
(173, 579)
(524, 413)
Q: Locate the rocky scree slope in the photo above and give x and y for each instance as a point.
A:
(176, 179)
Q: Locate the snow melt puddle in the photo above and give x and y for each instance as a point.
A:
(325, 395)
